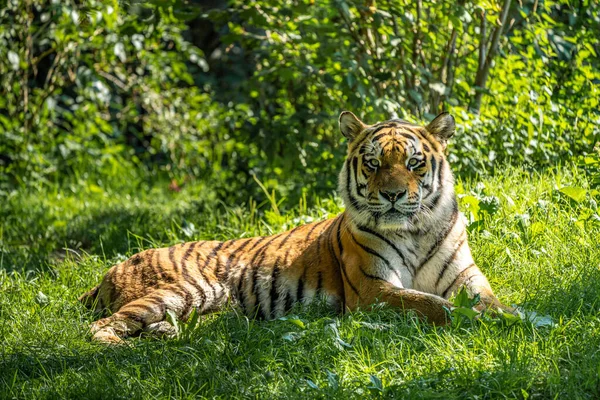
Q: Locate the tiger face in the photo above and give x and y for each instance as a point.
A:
(393, 170)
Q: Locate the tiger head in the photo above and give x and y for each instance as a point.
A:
(395, 175)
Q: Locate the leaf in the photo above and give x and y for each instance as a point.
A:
(462, 299)
(41, 299)
(472, 205)
(188, 228)
(173, 320)
(376, 383)
(297, 322)
(332, 379)
(467, 312)
(537, 320)
(13, 59)
(311, 384)
(416, 96)
(120, 51)
(510, 319)
(291, 336)
(489, 204)
(194, 318)
(574, 193)
(342, 344)
(438, 87)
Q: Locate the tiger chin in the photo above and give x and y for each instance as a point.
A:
(401, 241)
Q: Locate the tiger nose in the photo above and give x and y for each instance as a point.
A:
(392, 196)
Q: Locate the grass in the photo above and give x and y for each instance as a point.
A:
(532, 244)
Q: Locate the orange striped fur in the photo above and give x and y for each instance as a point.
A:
(400, 241)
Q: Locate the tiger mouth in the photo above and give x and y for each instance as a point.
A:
(394, 212)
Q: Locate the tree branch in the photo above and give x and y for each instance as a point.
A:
(484, 70)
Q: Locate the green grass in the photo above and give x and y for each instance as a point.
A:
(535, 248)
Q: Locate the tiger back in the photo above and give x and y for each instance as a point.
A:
(401, 240)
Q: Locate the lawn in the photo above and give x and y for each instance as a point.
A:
(538, 246)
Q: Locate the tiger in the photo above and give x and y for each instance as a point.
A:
(401, 240)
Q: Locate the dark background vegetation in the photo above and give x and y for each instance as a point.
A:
(115, 92)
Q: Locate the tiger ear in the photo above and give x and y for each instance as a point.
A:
(350, 125)
(442, 127)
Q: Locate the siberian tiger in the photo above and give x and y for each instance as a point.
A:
(401, 240)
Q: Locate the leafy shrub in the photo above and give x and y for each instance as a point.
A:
(107, 91)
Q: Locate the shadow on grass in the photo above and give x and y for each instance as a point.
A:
(33, 240)
(580, 296)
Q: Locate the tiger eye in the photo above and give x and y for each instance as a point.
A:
(374, 163)
(412, 162)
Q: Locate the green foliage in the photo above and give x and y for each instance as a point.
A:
(115, 91)
(553, 271)
(100, 91)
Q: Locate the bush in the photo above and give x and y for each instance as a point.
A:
(105, 91)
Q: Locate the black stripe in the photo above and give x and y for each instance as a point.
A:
(165, 277)
(441, 238)
(438, 193)
(258, 242)
(376, 254)
(441, 174)
(353, 201)
(210, 256)
(435, 171)
(210, 285)
(185, 296)
(172, 257)
(357, 144)
(314, 227)
(288, 302)
(419, 135)
(380, 128)
(290, 233)
(425, 147)
(341, 249)
(274, 292)
(375, 138)
(433, 167)
(226, 245)
(364, 174)
(188, 300)
(255, 270)
(190, 279)
(300, 290)
(190, 249)
(355, 167)
(456, 279)
(251, 264)
(142, 307)
(134, 317)
(408, 136)
(389, 243)
(448, 262)
(319, 283)
(365, 273)
(155, 267)
(231, 257)
(194, 282)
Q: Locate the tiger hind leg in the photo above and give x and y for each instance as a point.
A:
(145, 313)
